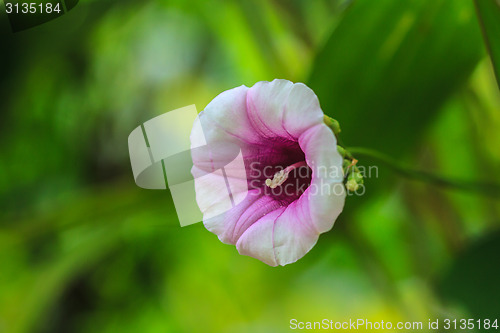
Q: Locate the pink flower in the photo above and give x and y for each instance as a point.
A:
(288, 189)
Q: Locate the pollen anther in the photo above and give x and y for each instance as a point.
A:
(281, 176)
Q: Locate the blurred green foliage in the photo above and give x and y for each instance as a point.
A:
(82, 249)
(489, 17)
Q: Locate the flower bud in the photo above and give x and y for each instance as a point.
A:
(333, 124)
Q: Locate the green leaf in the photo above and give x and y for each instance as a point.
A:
(390, 65)
(472, 279)
(489, 17)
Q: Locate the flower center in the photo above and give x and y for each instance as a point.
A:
(281, 176)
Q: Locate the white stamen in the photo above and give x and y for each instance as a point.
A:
(281, 176)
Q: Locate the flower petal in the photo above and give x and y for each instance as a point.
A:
(225, 118)
(282, 108)
(281, 237)
(258, 242)
(302, 110)
(230, 226)
(326, 195)
(265, 105)
(294, 233)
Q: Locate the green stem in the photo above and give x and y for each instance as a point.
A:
(485, 188)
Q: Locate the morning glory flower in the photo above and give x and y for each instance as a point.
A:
(291, 174)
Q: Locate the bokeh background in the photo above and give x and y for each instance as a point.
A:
(82, 249)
